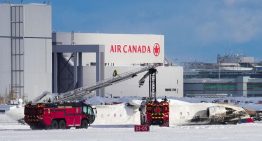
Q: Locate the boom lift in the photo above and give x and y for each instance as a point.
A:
(67, 109)
(79, 93)
(153, 112)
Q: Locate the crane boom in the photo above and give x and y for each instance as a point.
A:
(79, 93)
(152, 82)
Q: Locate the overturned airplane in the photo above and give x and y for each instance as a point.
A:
(184, 113)
(180, 113)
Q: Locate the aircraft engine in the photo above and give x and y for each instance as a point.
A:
(216, 114)
(216, 111)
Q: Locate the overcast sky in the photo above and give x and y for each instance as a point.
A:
(194, 30)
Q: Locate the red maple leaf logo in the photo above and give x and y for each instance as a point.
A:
(156, 49)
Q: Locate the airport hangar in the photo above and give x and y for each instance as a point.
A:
(34, 60)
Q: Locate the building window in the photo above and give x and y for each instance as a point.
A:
(170, 89)
(93, 64)
(220, 86)
(254, 86)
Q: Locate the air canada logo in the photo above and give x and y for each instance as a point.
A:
(156, 49)
(135, 49)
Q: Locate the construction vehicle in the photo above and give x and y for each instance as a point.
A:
(67, 109)
(152, 111)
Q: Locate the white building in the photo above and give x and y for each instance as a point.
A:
(26, 49)
(120, 49)
(125, 52)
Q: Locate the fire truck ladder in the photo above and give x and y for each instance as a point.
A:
(79, 93)
(152, 82)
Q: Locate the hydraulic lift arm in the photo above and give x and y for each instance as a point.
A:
(79, 93)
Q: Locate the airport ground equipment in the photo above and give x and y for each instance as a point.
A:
(152, 111)
(59, 115)
(67, 109)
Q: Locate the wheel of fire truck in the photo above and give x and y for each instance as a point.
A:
(36, 127)
(166, 124)
(62, 124)
(84, 123)
(33, 127)
(54, 124)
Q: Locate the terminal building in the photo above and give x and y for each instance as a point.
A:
(34, 60)
(232, 75)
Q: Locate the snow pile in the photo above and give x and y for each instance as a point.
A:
(96, 100)
(16, 113)
(136, 103)
(178, 102)
(5, 119)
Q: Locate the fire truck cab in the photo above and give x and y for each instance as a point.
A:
(59, 116)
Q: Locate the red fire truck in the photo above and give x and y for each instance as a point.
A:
(59, 116)
(153, 112)
(156, 113)
(62, 112)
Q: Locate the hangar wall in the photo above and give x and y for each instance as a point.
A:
(26, 49)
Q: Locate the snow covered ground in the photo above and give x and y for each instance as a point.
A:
(11, 131)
